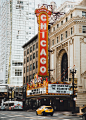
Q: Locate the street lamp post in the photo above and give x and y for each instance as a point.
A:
(73, 72)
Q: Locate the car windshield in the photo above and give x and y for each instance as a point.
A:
(48, 107)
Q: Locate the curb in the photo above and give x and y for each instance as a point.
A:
(70, 114)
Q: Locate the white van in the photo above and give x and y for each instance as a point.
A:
(18, 105)
(13, 105)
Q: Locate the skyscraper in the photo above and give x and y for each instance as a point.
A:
(5, 37)
(21, 26)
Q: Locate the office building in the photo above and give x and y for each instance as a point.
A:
(18, 25)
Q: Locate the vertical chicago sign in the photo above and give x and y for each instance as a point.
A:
(43, 15)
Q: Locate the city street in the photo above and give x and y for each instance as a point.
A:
(26, 115)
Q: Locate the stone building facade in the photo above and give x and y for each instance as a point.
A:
(30, 62)
(68, 44)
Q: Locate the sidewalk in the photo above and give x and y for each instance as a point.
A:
(70, 114)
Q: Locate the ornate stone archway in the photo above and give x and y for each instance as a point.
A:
(64, 68)
(61, 58)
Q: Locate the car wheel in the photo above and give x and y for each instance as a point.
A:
(51, 114)
(43, 113)
(36, 113)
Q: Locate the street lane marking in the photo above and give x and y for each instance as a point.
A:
(29, 117)
(3, 117)
(11, 116)
(66, 119)
(17, 115)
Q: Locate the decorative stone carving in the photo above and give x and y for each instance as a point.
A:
(83, 74)
(80, 29)
(71, 42)
(73, 29)
(69, 32)
(83, 40)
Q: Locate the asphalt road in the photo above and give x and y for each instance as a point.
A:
(27, 115)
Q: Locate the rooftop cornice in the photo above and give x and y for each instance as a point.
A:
(77, 7)
(74, 20)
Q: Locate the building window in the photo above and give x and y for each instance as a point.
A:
(18, 72)
(71, 15)
(27, 33)
(27, 68)
(36, 53)
(66, 19)
(53, 28)
(24, 53)
(33, 55)
(17, 36)
(18, 2)
(24, 61)
(18, 31)
(30, 67)
(30, 57)
(84, 14)
(61, 22)
(71, 6)
(57, 39)
(36, 64)
(24, 79)
(57, 25)
(27, 51)
(32, 18)
(30, 49)
(71, 31)
(36, 45)
(68, 6)
(84, 29)
(27, 80)
(26, 13)
(61, 36)
(33, 66)
(30, 77)
(21, 2)
(24, 69)
(33, 47)
(52, 42)
(27, 59)
(33, 75)
(22, 7)
(66, 34)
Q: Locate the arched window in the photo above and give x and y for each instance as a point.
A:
(64, 68)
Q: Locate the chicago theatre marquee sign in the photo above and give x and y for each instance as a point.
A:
(43, 15)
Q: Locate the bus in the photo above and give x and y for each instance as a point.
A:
(13, 105)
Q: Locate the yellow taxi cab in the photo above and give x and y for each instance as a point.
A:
(45, 110)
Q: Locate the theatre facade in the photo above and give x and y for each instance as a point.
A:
(67, 40)
(68, 44)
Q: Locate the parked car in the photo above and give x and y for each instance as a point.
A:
(45, 110)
